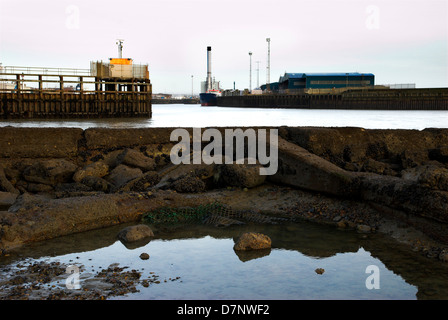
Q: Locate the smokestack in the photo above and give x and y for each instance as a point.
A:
(209, 68)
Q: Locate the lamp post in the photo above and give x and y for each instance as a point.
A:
(268, 40)
(120, 48)
(250, 71)
(191, 86)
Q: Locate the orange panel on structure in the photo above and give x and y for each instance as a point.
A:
(120, 61)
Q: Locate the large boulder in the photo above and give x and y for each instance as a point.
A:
(430, 175)
(189, 184)
(136, 159)
(96, 183)
(5, 184)
(187, 177)
(50, 172)
(142, 183)
(241, 175)
(7, 199)
(26, 202)
(300, 168)
(122, 174)
(97, 169)
(135, 233)
(252, 241)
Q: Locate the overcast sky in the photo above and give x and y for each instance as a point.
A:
(400, 41)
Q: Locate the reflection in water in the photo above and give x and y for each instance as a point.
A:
(209, 268)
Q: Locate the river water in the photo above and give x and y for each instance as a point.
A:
(180, 115)
(202, 259)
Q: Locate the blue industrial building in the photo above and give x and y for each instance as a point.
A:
(291, 82)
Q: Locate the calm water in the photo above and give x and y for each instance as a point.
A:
(209, 268)
(180, 115)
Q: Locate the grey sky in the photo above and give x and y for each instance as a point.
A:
(400, 41)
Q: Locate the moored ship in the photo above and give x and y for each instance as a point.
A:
(209, 98)
(210, 88)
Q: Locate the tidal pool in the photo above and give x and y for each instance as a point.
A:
(197, 262)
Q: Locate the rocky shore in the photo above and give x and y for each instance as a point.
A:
(59, 181)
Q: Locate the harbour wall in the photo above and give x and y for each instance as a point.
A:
(176, 101)
(375, 99)
(73, 105)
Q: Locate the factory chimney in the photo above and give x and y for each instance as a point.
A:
(209, 69)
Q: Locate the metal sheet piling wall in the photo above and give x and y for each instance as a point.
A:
(396, 99)
(105, 98)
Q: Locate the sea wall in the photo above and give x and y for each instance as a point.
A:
(56, 181)
(366, 99)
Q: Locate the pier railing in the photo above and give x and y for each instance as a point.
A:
(43, 71)
(55, 83)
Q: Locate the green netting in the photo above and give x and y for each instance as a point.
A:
(189, 214)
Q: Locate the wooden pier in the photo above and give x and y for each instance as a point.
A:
(372, 99)
(71, 93)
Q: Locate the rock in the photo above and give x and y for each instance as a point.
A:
(50, 172)
(96, 183)
(111, 158)
(404, 195)
(341, 224)
(300, 168)
(122, 174)
(410, 159)
(189, 184)
(5, 184)
(136, 159)
(252, 241)
(135, 233)
(443, 255)
(38, 187)
(320, 270)
(374, 166)
(204, 172)
(350, 166)
(363, 228)
(432, 176)
(241, 175)
(140, 184)
(144, 256)
(97, 169)
(7, 199)
(439, 154)
(71, 187)
(26, 201)
(337, 219)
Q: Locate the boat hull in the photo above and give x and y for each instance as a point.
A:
(208, 99)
